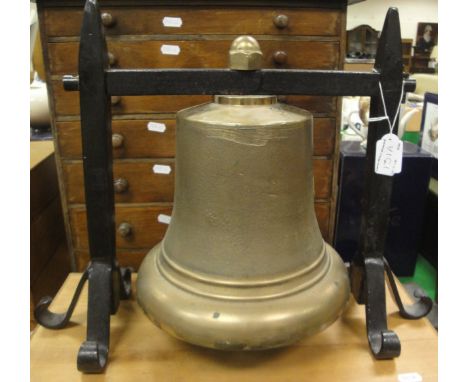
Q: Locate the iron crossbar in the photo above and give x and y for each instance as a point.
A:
(121, 82)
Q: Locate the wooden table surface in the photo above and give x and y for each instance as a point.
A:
(38, 151)
(139, 351)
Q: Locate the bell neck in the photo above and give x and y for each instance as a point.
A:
(251, 100)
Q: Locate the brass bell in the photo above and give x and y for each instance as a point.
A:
(243, 265)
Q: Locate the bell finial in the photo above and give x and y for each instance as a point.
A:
(245, 54)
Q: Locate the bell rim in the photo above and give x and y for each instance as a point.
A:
(243, 325)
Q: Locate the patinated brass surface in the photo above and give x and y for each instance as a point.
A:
(243, 264)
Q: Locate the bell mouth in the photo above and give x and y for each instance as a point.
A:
(245, 100)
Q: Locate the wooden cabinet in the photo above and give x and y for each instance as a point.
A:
(311, 33)
(362, 42)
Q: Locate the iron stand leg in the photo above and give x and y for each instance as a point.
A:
(368, 268)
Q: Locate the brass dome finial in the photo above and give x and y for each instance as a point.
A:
(245, 54)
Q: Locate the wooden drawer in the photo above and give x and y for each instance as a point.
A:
(146, 230)
(60, 22)
(144, 186)
(140, 142)
(197, 54)
(67, 103)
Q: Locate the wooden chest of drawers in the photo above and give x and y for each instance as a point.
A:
(142, 34)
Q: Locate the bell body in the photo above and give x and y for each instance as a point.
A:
(243, 265)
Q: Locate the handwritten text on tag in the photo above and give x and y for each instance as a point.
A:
(388, 155)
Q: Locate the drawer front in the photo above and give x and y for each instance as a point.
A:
(67, 103)
(61, 22)
(139, 141)
(146, 230)
(198, 54)
(149, 138)
(145, 186)
(139, 183)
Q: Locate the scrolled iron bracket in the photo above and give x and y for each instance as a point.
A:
(52, 320)
(419, 309)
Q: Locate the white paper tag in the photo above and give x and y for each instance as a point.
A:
(162, 169)
(157, 127)
(409, 377)
(165, 219)
(388, 155)
(172, 22)
(172, 50)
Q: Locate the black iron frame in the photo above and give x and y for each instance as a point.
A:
(108, 283)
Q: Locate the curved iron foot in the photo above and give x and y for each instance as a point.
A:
(51, 320)
(384, 344)
(92, 357)
(419, 309)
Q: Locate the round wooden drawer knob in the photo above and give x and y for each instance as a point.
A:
(107, 19)
(280, 57)
(281, 21)
(115, 100)
(117, 141)
(125, 229)
(120, 185)
(112, 59)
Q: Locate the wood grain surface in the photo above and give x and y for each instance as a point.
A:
(139, 351)
(138, 140)
(146, 230)
(63, 22)
(144, 186)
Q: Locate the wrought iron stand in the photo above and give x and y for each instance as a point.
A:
(108, 283)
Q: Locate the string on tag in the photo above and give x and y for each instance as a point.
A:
(391, 125)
